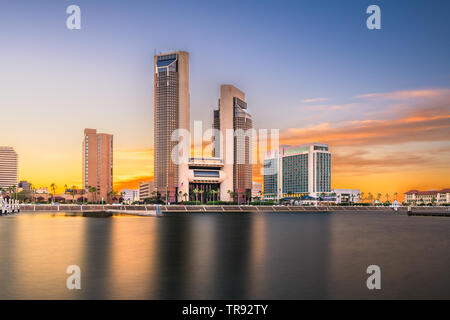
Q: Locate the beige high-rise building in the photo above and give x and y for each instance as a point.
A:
(171, 112)
(8, 167)
(98, 164)
(234, 118)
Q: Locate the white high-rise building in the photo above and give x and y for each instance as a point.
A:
(8, 167)
(298, 171)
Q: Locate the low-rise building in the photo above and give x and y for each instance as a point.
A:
(145, 189)
(25, 186)
(130, 195)
(256, 190)
(428, 197)
(347, 195)
(43, 190)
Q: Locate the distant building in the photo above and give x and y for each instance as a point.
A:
(130, 195)
(8, 167)
(347, 195)
(25, 186)
(256, 190)
(98, 164)
(145, 189)
(43, 190)
(428, 197)
(298, 171)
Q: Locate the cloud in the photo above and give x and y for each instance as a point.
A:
(323, 107)
(314, 100)
(425, 121)
(405, 95)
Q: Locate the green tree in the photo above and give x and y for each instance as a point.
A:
(196, 191)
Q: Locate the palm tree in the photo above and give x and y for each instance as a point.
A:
(53, 188)
(195, 191)
(370, 197)
(378, 196)
(395, 195)
(362, 196)
(248, 195)
(201, 195)
(387, 196)
(214, 192)
(110, 195)
(232, 194)
(185, 195)
(209, 194)
(93, 190)
(74, 188)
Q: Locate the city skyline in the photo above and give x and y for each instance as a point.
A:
(378, 98)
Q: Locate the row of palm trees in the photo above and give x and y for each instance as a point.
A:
(370, 197)
(11, 190)
(73, 191)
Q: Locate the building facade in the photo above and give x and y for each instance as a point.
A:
(298, 171)
(428, 197)
(256, 190)
(98, 165)
(171, 112)
(8, 167)
(130, 195)
(25, 186)
(233, 117)
(146, 189)
(347, 195)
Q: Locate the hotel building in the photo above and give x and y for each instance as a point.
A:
(428, 197)
(303, 170)
(8, 167)
(171, 112)
(233, 116)
(98, 164)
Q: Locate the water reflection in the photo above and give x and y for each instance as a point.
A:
(224, 256)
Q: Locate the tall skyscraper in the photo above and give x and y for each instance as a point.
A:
(98, 164)
(298, 171)
(171, 112)
(234, 117)
(8, 167)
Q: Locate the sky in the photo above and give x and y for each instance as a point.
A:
(379, 98)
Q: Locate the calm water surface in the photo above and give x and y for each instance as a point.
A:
(214, 256)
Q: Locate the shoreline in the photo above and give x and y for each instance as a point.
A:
(150, 210)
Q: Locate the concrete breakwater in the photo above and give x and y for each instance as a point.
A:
(149, 210)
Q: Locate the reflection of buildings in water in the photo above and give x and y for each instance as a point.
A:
(296, 261)
(173, 258)
(96, 265)
(8, 252)
(133, 258)
(36, 255)
(200, 276)
(232, 256)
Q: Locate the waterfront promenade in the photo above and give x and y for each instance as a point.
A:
(149, 210)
